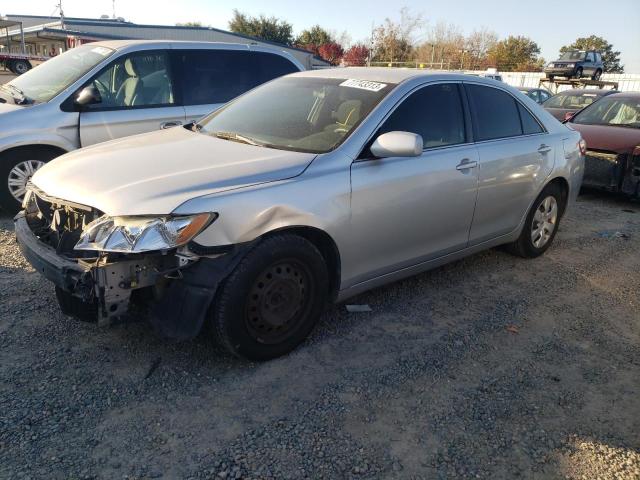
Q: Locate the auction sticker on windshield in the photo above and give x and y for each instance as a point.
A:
(363, 84)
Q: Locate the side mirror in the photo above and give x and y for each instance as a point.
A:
(397, 144)
(89, 95)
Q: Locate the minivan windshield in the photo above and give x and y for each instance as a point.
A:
(614, 111)
(572, 55)
(305, 114)
(47, 80)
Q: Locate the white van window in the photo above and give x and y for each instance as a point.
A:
(47, 80)
(137, 80)
(217, 76)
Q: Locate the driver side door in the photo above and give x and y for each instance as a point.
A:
(137, 96)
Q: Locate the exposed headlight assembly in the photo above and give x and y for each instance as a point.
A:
(142, 234)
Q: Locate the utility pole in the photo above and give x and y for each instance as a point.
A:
(113, 4)
(59, 6)
(370, 55)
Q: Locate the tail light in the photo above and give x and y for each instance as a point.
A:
(582, 145)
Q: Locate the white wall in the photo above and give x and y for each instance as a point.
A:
(627, 82)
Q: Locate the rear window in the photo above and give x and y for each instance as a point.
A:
(495, 113)
(571, 101)
(217, 76)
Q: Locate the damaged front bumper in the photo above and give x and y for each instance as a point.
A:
(177, 290)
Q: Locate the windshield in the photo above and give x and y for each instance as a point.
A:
(615, 111)
(45, 81)
(574, 55)
(571, 101)
(297, 113)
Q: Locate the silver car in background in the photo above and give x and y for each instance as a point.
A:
(313, 187)
(106, 90)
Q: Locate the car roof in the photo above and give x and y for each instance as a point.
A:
(389, 75)
(626, 95)
(123, 44)
(591, 91)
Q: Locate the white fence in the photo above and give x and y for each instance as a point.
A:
(627, 82)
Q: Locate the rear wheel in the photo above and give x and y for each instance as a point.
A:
(541, 224)
(16, 169)
(272, 299)
(20, 66)
(597, 75)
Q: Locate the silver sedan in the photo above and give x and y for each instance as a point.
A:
(316, 186)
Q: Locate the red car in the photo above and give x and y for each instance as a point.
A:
(611, 128)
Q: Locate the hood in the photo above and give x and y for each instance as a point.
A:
(606, 137)
(154, 173)
(559, 113)
(9, 107)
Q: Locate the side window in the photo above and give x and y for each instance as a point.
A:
(217, 76)
(529, 124)
(137, 80)
(435, 112)
(494, 112)
(590, 57)
(272, 66)
(533, 95)
(544, 96)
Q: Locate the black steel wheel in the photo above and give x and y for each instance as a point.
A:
(272, 299)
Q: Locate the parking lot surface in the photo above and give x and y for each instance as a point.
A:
(491, 367)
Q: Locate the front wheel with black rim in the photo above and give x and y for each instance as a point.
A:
(541, 224)
(578, 73)
(272, 299)
(597, 75)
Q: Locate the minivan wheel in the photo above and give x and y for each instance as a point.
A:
(541, 224)
(272, 299)
(16, 169)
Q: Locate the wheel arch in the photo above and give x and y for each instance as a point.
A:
(563, 183)
(43, 147)
(325, 244)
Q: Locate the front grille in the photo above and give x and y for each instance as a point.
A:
(602, 168)
(57, 222)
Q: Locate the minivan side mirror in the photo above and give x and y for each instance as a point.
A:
(397, 144)
(89, 95)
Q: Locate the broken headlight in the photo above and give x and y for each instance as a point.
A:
(141, 234)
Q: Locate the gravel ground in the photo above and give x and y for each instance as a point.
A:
(491, 367)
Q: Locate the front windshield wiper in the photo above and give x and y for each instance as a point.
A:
(236, 137)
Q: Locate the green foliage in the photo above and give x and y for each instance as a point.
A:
(315, 35)
(610, 58)
(190, 24)
(518, 54)
(265, 28)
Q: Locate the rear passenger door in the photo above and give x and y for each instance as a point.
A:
(209, 78)
(516, 156)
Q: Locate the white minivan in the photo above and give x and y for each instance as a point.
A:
(105, 90)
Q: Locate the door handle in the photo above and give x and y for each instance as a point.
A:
(170, 124)
(466, 164)
(544, 148)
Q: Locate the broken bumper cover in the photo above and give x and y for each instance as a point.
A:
(178, 309)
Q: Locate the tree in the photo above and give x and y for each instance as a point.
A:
(610, 58)
(331, 52)
(393, 41)
(518, 54)
(357, 55)
(190, 24)
(444, 45)
(266, 28)
(313, 38)
(478, 44)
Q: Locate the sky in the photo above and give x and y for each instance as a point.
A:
(550, 23)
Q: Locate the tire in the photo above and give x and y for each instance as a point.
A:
(17, 167)
(21, 66)
(597, 75)
(578, 73)
(272, 300)
(530, 244)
